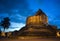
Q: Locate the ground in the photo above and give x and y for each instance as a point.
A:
(32, 39)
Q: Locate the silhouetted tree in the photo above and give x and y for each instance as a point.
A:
(5, 23)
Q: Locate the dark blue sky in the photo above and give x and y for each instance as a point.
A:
(19, 10)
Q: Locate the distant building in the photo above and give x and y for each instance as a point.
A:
(0, 32)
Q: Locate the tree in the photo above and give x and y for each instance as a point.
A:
(5, 23)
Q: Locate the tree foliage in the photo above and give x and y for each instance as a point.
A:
(5, 23)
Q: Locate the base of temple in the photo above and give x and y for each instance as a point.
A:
(36, 37)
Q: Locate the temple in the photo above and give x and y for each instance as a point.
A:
(38, 19)
(37, 25)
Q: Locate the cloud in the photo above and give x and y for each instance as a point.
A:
(16, 10)
(15, 26)
(18, 18)
(7, 5)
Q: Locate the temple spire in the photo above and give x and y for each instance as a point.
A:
(39, 12)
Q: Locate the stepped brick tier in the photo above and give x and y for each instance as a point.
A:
(37, 25)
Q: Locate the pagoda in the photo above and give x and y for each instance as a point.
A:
(37, 25)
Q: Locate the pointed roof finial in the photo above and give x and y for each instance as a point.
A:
(39, 12)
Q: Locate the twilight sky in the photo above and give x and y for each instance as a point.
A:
(19, 10)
